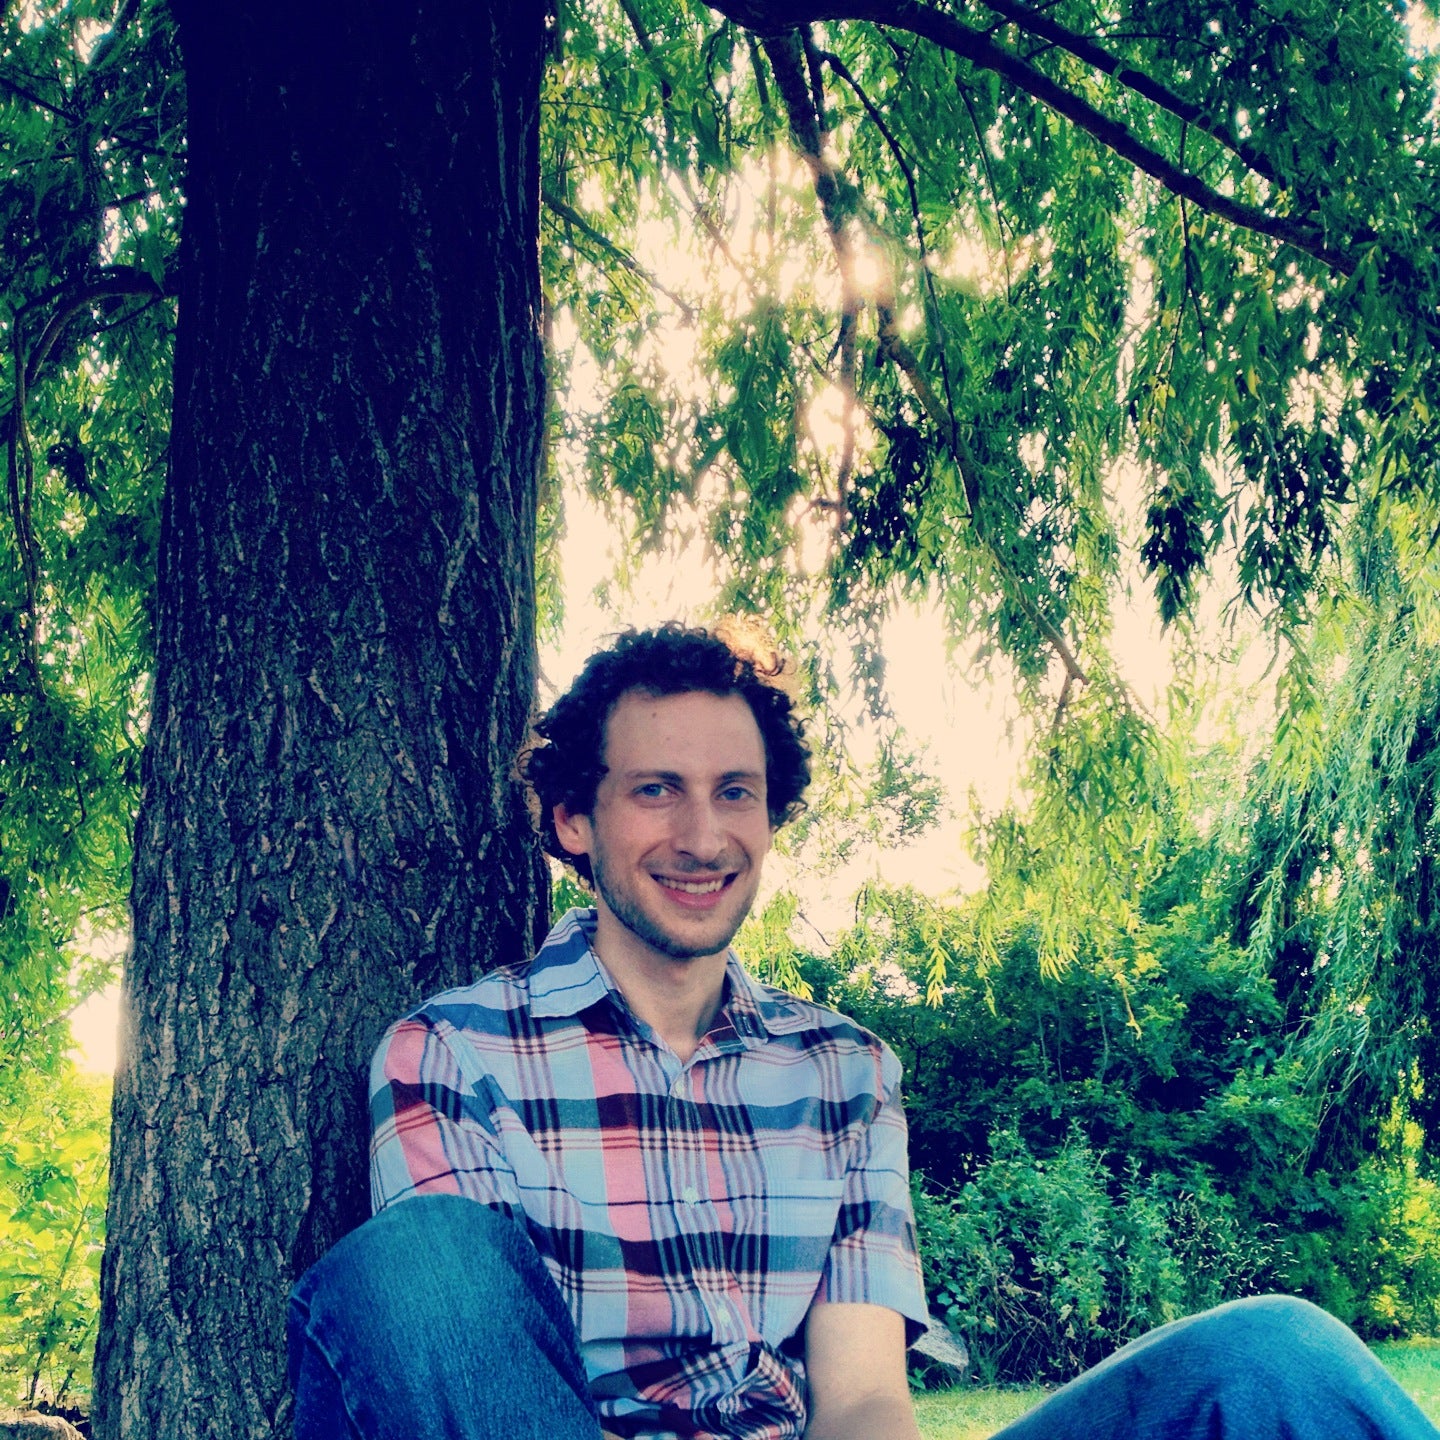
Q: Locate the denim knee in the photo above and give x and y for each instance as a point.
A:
(416, 1260)
(1266, 1368)
(1275, 1332)
(1274, 1365)
(437, 1306)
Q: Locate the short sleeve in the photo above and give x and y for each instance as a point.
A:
(874, 1259)
(430, 1132)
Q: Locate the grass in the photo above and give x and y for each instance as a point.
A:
(977, 1412)
(973, 1412)
(1416, 1365)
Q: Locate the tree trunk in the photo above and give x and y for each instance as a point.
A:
(345, 657)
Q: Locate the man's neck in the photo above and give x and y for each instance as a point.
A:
(678, 999)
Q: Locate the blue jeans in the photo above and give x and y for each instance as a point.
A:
(438, 1317)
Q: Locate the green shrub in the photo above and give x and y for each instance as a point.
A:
(1220, 1253)
(1043, 1266)
(1372, 1254)
(53, 1165)
(1127, 1142)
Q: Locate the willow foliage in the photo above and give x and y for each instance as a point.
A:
(90, 108)
(1334, 864)
(862, 300)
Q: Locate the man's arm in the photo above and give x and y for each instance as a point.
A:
(855, 1362)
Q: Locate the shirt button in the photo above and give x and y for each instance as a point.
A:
(690, 1195)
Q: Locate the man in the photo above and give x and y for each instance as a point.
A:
(624, 1190)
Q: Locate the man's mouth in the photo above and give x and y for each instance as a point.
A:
(693, 887)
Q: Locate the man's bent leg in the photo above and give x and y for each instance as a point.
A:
(1269, 1368)
(437, 1317)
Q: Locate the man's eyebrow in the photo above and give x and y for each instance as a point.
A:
(674, 777)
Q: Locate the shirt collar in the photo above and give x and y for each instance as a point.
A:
(566, 977)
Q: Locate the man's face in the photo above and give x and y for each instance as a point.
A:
(679, 827)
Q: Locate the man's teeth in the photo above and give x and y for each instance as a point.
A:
(693, 887)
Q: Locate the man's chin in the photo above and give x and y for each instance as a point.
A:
(695, 944)
(675, 947)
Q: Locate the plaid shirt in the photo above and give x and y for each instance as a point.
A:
(689, 1213)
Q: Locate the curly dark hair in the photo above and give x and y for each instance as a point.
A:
(567, 764)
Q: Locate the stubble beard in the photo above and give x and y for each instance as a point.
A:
(638, 923)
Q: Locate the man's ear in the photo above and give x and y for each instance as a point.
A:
(572, 830)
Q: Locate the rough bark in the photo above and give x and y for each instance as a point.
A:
(328, 827)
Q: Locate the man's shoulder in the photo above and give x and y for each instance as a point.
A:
(787, 1013)
(810, 1026)
(505, 988)
(558, 976)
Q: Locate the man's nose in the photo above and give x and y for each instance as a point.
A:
(700, 833)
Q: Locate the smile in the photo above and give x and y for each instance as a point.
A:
(692, 887)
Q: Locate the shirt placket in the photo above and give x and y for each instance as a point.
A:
(692, 1207)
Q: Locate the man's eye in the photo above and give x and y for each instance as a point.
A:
(736, 793)
(652, 791)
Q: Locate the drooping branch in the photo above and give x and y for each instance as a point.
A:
(20, 476)
(699, 210)
(622, 257)
(889, 335)
(794, 65)
(941, 412)
(22, 91)
(785, 53)
(771, 17)
(1037, 22)
(113, 283)
(642, 38)
(894, 348)
(116, 282)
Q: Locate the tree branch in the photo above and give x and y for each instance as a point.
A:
(895, 348)
(20, 477)
(623, 258)
(794, 64)
(21, 92)
(1036, 22)
(770, 17)
(647, 46)
(889, 336)
(112, 283)
(892, 346)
